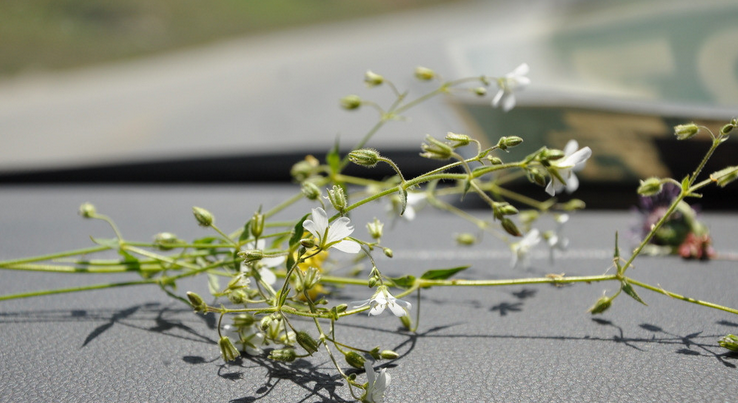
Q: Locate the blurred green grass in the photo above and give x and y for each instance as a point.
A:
(38, 35)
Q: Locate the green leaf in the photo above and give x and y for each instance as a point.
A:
(213, 284)
(246, 232)
(298, 231)
(334, 159)
(442, 274)
(404, 282)
(628, 289)
(467, 186)
(403, 199)
(113, 243)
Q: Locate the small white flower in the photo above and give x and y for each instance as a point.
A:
(383, 299)
(247, 340)
(573, 161)
(554, 239)
(377, 384)
(521, 249)
(513, 81)
(332, 236)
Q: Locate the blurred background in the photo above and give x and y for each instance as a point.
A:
(164, 91)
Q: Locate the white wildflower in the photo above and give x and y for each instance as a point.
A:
(332, 236)
(511, 82)
(521, 250)
(383, 299)
(562, 170)
(377, 384)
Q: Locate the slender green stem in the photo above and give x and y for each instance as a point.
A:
(681, 297)
(715, 143)
(89, 270)
(54, 256)
(77, 289)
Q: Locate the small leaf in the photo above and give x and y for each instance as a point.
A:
(628, 289)
(213, 284)
(334, 159)
(442, 274)
(404, 282)
(113, 243)
(403, 199)
(467, 186)
(298, 231)
(246, 231)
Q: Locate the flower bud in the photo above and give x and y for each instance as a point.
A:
(251, 255)
(601, 305)
(337, 197)
(365, 157)
(307, 243)
(574, 204)
(257, 224)
(466, 239)
(435, 149)
(730, 342)
(551, 155)
(237, 296)
(510, 227)
(424, 73)
(165, 240)
(373, 79)
(507, 142)
(87, 210)
(388, 252)
(286, 355)
(481, 91)
(650, 187)
(307, 342)
(304, 169)
(228, 351)
(341, 308)
(389, 355)
(312, 278)
(354, 359)
(683, 132)
(494, 160)
(265, 322)
(197, 302)
(534, 175)
(310, 190)
(459, 139)
(375, 228)
(503, 208)
(350, 102)
(727, 128)
(406, 322)
(204, 218)
(724, 176)
(244, 320)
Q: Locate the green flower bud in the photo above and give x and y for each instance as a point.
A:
(337, 197)
(388, 252)
(165, 240)
(466, 239)
(551, 155)
(204, 218)
(460, 140)
(507, 142)
(307, 243)
(388, 355)
(266, 322)
(435, 149)
(406, 322)
(251, 255)
(373, 79)
(683, 132)
(601, 305)
(481, 91)
(197, 302)
(503, 208)
(237, 296)
(350, 102)
(365, 157)
(305, 168)
(341, 308)
(307, 342)
(286, 355)
(510, 227)
(724, 176)
(375, 228)
(727, 128)
(310, 190)
(494, 160)
(312, 278)
(257, 224)
(574, 204)
(354, 359)
(730, 342)
(650, 187)
(534, 175)
(228, 351)
(423, 73)
(244, 320)
(87, 210)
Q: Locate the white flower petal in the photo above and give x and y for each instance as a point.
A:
(370, 375)
(347, 246)
(268, 276)
(522, 82)
(377, 309)
(577, 158)
(313, 229)
(339, 229)
(498, 97)
(397, 309)
(360, 304)
(571, 147)
(320, 218)
(521, 70)
(509, 102)
(572, 183)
